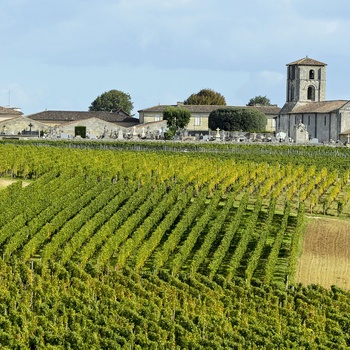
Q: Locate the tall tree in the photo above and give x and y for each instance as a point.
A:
(111, 101)
(259, 100)
(235, 119)
(177, 118)
(206, 97)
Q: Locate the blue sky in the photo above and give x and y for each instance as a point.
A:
(60, 54)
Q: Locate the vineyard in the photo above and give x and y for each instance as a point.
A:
(123, 247)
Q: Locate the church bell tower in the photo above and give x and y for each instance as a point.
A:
(306, 81)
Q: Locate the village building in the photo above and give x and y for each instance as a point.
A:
(71, 124)
(200, 115)
(21, 125)
(9, 113)
(306, 109)
(56, 118)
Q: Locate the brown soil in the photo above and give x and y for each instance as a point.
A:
(325, 258)
(6, 182)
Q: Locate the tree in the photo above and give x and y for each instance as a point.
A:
(206, 97)
(235, 119)
(112, 101)
(259, 100)
(177, 118)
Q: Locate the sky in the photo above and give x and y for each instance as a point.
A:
(62, 54)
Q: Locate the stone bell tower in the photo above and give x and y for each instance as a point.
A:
(306, 81)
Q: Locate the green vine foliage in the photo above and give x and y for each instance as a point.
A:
(135, 246)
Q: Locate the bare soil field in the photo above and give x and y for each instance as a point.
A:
(325, 258)
(6, 182)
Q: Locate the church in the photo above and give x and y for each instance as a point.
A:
(306, 108)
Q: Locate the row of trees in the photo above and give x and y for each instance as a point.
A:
(178, 118)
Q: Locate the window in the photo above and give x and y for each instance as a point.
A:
(311, 74)
(311, 93)
(308, 120)
(325, 120)
(197, 121)
(157, 118)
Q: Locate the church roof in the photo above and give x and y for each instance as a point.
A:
(306, 61)
(318, 107)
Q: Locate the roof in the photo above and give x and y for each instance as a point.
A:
(191, 108)
(306, 61)
(318, 107)
(273, 109)
(209, 108)
(69, 116)
(10, 110)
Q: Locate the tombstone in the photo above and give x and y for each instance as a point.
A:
(120, 134)
(64, 136)
(223, 136)
(301, 134)
(134, 133)
(161, 132)
(143, 134)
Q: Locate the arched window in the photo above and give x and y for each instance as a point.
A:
(311, 74)
(311, 93)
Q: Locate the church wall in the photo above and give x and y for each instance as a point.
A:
(345, 121)
(345, 118)
(309, 119)
(327, 127)
(334, 126)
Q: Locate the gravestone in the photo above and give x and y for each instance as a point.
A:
(120, 134)
(301, 134)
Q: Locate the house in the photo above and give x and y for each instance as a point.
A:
(306, 104)
(97, 128)
(9, 113)
(200, 115)
(69, 124)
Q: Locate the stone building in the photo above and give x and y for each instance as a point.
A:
(200, 114)
(9, 113)
(56, 118)
(21, 125)
(306, 104)
(70, 124)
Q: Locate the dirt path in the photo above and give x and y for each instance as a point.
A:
(325, 258)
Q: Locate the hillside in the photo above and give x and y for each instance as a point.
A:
(134, 246)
